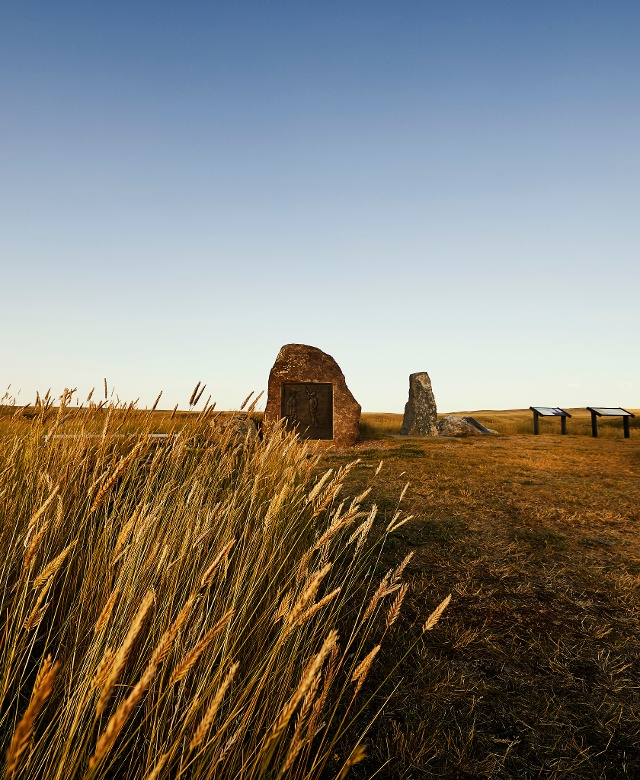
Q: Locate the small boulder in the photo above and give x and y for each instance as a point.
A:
(450, 425)
(420, 413)
(239, 427)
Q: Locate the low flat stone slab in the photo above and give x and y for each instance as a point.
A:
(478, 425)
(451, 425)
(241, 428)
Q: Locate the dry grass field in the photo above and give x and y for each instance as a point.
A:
(200, 606)
(534, 669)
(167, 611)
(510, 421)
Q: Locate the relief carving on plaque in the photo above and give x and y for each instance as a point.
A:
(308, 408)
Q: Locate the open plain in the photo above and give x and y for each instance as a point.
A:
(209, 556)
(534, 669)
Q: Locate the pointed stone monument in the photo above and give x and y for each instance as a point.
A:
(420, 413)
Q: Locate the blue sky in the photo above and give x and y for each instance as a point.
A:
(450, 187)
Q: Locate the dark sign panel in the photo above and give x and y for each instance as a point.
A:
(549, 411)
(308, 408)
(476, 424)
(610, 411)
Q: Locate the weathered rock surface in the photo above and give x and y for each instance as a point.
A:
(450, 425)
(307, 387)
(420, 411)
(240, 427)
(479, 425)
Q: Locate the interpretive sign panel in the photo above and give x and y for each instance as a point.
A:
(615, 411)
(549, 411)
(478, 425)
(609, 411)
(308, 407)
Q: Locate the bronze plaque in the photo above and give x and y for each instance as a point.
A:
(308, 407)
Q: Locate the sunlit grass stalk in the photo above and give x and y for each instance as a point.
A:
(244, 559)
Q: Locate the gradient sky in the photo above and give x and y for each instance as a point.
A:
(442, 186)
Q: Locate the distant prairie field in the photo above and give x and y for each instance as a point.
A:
(215, 606)
(512, 421)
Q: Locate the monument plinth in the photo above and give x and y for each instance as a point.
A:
(308, 390)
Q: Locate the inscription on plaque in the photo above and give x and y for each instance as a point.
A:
(308, 407)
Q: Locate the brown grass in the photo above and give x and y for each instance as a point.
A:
(373, 425)
(196, 591)
(533, 670)
(24, 730)
(530, 672)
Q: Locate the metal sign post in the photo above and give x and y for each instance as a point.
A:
(549, 411)
(606, 411)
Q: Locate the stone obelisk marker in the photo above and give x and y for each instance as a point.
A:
(420, 413)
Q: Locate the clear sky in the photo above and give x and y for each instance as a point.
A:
(451, 187)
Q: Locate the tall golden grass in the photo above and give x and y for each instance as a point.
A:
(195, 607)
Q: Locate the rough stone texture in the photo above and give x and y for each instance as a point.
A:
(479, 426)
(242, 428)
(457, 426)
(299, 364)
(420, 411)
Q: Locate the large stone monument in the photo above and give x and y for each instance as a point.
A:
(308, 390)
(420, 411)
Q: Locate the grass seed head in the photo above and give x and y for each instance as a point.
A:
(210, 714)
(22, 735)
(434, 617)
(121, 655)
(190, 660)
(104, 616)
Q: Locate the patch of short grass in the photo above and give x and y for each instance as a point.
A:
(533, 671)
